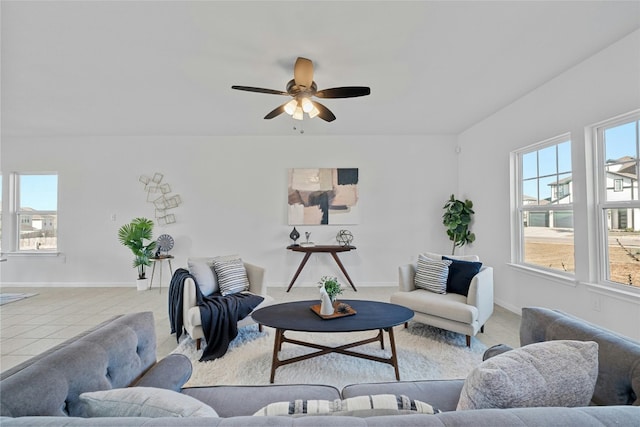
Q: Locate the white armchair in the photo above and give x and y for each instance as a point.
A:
(458, 313)
(191, 312)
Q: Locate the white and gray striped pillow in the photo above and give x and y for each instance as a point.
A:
(232, 276)
(432, 274)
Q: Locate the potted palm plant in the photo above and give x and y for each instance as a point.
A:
(137, 236)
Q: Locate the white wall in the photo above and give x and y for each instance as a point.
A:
(604, 86)
(234, 201)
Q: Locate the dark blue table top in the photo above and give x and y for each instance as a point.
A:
(298, 316)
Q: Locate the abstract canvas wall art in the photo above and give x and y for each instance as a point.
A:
(323, 196)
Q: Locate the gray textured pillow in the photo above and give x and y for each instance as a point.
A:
(552, 373)
(144, 402)
(202, 271)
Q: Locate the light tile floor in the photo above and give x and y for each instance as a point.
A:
(31, 326)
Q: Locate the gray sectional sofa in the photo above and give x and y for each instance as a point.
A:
(121, 353)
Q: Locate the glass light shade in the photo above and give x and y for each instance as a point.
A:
(298, 114)
(306, 105)
(290, 107)
(314, 112)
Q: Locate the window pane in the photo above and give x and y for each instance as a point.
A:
(545, 187)
(39, 192)
(38, 232)
(623, 241)
(548, 240)
(564, 157)
(547, 161)
(530, 192)
(530, 165)
(621, 165)
(620, 142)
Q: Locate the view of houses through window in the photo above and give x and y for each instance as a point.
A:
(545, 205)
(37, 211)
(619, 203)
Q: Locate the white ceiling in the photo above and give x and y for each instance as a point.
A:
(166, 67)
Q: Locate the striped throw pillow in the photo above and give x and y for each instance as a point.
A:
(432, 275)
(232, 276)
(358, 403)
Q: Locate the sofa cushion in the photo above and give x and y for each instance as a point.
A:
(358, 403)
(202, 270)
(143, 402)
(552, 373)
(431, 275)
(448, 306)
(232, 275)
(460, 275)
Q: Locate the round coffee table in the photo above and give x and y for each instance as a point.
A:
(298, 316)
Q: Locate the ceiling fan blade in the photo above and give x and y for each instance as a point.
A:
(260, 90)
(344, 92)
(325, 114)
(276, 111)
(303, 72)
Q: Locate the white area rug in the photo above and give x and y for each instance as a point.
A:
(424, 353)
(7, 298)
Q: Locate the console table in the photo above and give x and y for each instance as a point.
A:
(331, 249)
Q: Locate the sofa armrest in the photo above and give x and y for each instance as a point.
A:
(481, 293)
(407, 278)
(255, 275)
(495, 351)
(170, 373)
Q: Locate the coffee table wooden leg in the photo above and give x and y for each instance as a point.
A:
(302, 264)
(277, 345)
(394, 357)
(381, 339)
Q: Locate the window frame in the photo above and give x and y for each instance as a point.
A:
(602, 205)
(519, 209)
(16, 213)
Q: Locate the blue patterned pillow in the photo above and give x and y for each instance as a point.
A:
(232, 276)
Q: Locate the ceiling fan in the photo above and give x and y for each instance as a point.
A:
(302, 88)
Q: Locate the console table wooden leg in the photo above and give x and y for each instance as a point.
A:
(344, 271)
(394, 357)
(302, 264)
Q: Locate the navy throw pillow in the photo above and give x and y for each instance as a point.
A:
(460, 275)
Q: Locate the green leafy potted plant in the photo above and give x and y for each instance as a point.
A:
(331, 285)
(137, 236)
(457, 218)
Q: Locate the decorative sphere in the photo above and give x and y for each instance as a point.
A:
(344, 237)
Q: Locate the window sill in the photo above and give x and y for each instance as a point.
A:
(31, 254)
(614, 292)
(546, 274)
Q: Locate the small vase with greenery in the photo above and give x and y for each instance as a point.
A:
(331, 285)
(137, 236)
(457, 218)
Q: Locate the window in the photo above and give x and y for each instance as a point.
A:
(617, 147)
(37, 211)
(544, 206)
(1, 191)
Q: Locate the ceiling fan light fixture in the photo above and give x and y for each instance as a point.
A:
(314, 112)
(298, 114)
(290, 107)
(307, 106)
